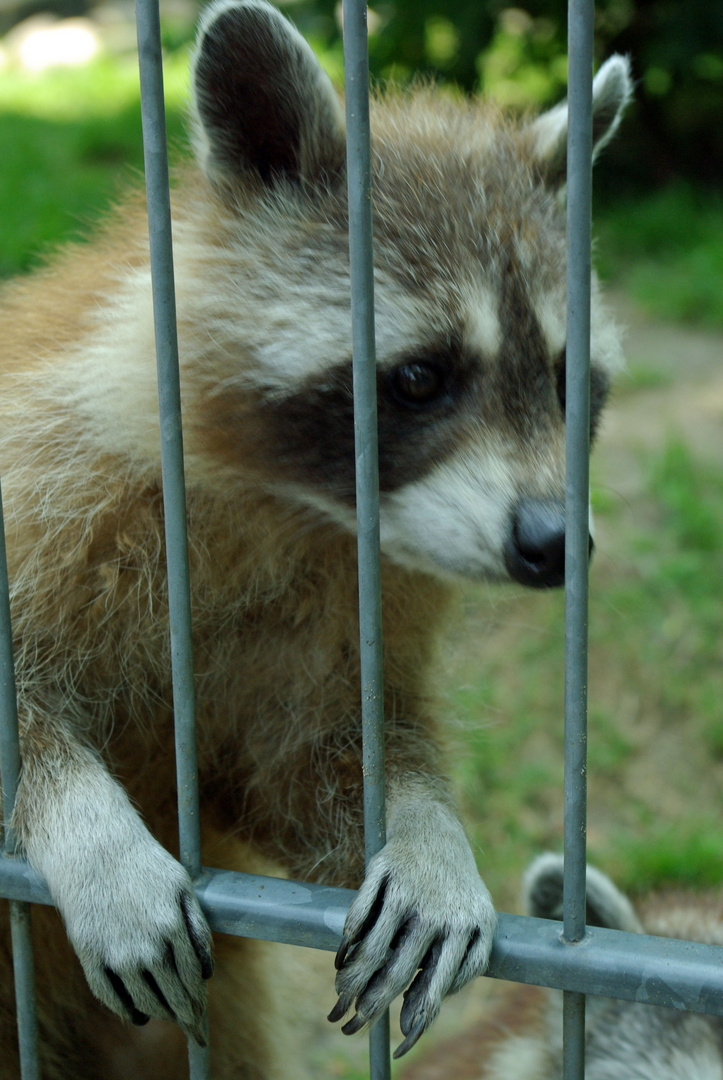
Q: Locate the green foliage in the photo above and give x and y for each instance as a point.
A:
(524, 64)
(519, 54)
(71, 141)
(666, 250)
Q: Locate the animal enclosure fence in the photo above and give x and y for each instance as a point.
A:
(580, 961)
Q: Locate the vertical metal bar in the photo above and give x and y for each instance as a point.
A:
(356, 79)
(579, 191)
(22, 946)
(174, 495)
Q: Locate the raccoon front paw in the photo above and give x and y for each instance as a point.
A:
(142, 939)
(424, 923)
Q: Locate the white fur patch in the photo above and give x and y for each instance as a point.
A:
(606, 350)
(455, 520)
(305, 339)
(483, 330)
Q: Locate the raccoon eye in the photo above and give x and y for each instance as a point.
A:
(599, 390)
(418, 383)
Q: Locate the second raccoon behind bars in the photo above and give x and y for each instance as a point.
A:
(470, 322)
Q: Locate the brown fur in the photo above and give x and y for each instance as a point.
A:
(277, 671)
(461, 213)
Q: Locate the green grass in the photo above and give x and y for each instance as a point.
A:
(71, 142)
(656, 686)
(688, 854)
(666, 250)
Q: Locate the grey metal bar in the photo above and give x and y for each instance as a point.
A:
(356, 75)
(573, 1034)
(25, 997)
(274, 909)
(20, 928)
(611, 963)
(577, 450)
(18, 881)
(174, 495)
(356, 81)
(577, 499)
(169, 395)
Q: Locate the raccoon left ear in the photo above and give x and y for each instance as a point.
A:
(611, 91)
(263, 106)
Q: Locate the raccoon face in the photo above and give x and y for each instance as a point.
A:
(469, 293)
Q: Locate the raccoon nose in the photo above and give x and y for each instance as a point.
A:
(535, 549)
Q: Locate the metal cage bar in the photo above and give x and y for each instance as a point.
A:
(611, 963)
(577, 501)
(679, 975)
(359, 187)
(20, 918)
(155, 151)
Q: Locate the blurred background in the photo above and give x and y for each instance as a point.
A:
(70, 143)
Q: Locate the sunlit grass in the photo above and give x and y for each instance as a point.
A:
(72, 143)
(103, 87)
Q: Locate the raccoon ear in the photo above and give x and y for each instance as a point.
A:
(262, 103)
(611, 91)
(605, 904)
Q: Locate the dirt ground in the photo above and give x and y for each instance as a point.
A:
(690, 403)
(687, 401)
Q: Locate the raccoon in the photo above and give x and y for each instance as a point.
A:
(625, 1040)
(470, 323)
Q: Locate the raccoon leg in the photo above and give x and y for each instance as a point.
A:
(128, 906)
(422, 909)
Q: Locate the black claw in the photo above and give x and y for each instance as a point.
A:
(155, 989)
(199, 943)
(341, 952)
(476, 934)
(339, 1009)
(137, 1017)
(201, 1040)
(206, 965)
(403, 932)
(372, 915)
(356, 1023)
(410, 1040)
(415, 993)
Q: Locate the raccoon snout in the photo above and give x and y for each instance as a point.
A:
(535, 548)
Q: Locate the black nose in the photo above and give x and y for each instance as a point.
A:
(535, 548)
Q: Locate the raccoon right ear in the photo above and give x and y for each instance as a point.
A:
(612, 89)
(261, 101)
(605, 904)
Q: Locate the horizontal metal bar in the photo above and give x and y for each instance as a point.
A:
(611, 963)
(273, 909)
